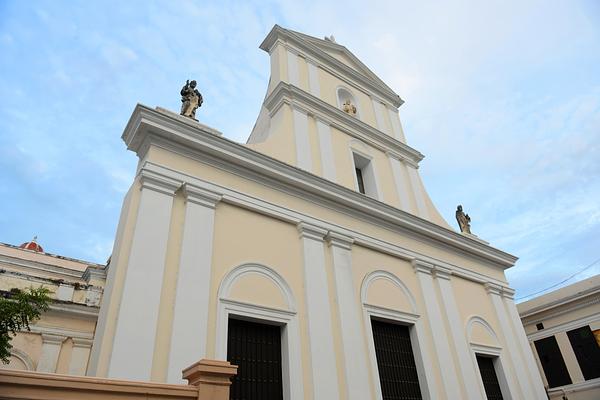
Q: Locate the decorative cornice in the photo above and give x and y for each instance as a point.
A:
(442, 272)
(493, 289)
(52, 339)
(335, 239)
(423, 267)
(93, 272)
(158, 183)
(162, 130)
(330, 63)
(285, 93)
(203, 197)
(311, 231)
(61, 332)
(81, 342)
(567, 326)
(560, 302)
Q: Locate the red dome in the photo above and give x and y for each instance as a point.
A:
(33, 245)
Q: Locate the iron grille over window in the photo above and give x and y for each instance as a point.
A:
(489, 378)
(256, 350)
(586, 350)
(395, 361)
(552, 362)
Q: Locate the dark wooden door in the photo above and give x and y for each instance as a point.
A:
(395, 361)
(489, 378)
(256, 349)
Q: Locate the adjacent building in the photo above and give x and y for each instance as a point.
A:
(563, 328)
(60, 342)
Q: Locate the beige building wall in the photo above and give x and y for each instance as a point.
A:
(553, 315)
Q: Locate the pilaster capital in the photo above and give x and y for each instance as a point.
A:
(335, 239)
(311, 231)
(422, 267)
(52, 339)
(81, 342)
(197, 195)
(508, 293)
(442, 272)
(493, 288)
(158, 183)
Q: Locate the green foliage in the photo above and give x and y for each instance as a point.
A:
(19, 308)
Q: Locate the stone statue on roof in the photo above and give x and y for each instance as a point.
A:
(191, 99)
(464, 221)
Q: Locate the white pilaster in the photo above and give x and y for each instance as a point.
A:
(313, 79)
(379, 118)
(396, 126)
(459, 336)
(327, 162)
(511, 343)
(418, 191)
(402, 185)
(438, 330)
(318, 311)
(292, 68)
(357, 381)
(51, 345)
(135, 332)
(80, 354)
(303, 154)
(190, 315)
(523, 343)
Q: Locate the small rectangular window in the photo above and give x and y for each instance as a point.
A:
(586, 350)
(359, 179)
(552, 362)
(539, 326)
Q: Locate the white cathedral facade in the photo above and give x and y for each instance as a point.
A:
(311, 256)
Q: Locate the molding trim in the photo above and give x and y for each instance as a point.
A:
(479, 320)
(311, 231)
(563, 301)
(575, 387)
(147, 126)
(23, 357)
(60, 332)
(285, 93)
(312, 52)
(380, 274)
(200, 196)
(568, 326)
(158, 183)
(335, 239)
(279, 212)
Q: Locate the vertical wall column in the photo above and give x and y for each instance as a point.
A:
(318, 311)
(327, 161)
(353, 343)
(402, 183)
(313, 79)
(523, 343)
(292, 68)
(135, 333)
(510, 342)
(379, 109)
(51, 345)
(418, 191)
(459, 336)
(190, 315)
(438, 330)
(303, 154)
(80, 356)
(396, 125)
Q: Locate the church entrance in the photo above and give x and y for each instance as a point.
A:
(256, 349)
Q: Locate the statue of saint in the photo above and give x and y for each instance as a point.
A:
(191, 99)
(349, 108)
(464, 221)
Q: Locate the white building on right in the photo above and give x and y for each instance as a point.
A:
(563, 328)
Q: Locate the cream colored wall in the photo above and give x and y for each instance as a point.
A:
(336, 216)
(280, 144)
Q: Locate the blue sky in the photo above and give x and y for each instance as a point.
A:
(502, 97)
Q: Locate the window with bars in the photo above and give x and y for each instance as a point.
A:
(256, 349)
(395, 361)
(552, 362)
(489, 377)
(586, 351)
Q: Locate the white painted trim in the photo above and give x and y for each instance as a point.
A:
(318, 313)
(80, 355)
(384, 275)
(160, 128)
(192, 296)
(417, 339)
(60, 332)
(327, 157)
(396, 125)
(567, 326)
(291, 358)
(303, 151)
(417, 191)
(51, 345)
(354, 352)
(282, 213)
(403, 187)
(370, 175)
(378, 110)
(439, 334)
(292, 68)
(313, 79)
(459, 337)
(23, 357)
(495, 353)
(575, 387)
